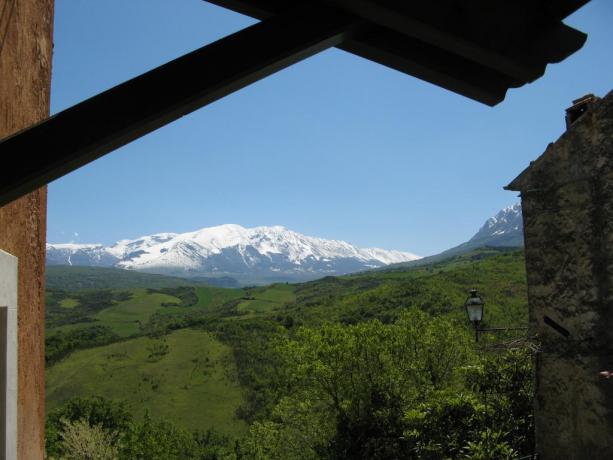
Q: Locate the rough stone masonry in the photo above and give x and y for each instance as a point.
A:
(567, 202)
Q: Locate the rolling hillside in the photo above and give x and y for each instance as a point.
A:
(188, 376)
(73, 278)
(200, 356)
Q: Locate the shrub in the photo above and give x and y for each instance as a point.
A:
(82, 441)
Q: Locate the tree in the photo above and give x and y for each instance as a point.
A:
(108, 416)
(151, 440)
(355, 382)
(81, 441)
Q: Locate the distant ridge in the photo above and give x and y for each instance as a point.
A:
(504, 230)
(73, 278)
(251, 255)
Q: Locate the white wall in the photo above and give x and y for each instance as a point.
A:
(8, 298)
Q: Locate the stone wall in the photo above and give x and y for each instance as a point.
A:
(567, 199)
(25, 75)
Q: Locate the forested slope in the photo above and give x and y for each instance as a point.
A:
(373, 365)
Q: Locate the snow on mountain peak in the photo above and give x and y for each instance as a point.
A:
(231, 248)
(74, 246)
(507, 222)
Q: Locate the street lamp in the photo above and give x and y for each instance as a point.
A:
(474, 310)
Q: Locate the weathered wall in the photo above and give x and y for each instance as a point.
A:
(567, 199)
(25, 75)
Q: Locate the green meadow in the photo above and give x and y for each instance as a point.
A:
(125, 317)
(187, 376)
(267, 299)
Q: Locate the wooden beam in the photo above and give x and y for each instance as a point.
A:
(497, 34)
(404, 53)
(92, 128)
(477, 49)
(431, 64)
(562, 8)
(422, 25)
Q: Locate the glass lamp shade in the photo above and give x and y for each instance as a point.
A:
(474, 307)
(474, 312)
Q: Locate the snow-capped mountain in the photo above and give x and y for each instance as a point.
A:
(504, 229)
(92, 255)
(260, 253)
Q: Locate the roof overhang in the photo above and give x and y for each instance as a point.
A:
(476, 48)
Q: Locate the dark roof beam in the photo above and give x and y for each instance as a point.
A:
(510, 51)
(109, 120)
(560, 9)
(431, 64)
(440, 37)
(405, 54)
(557, 43)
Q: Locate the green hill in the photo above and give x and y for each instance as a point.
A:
(202, 357)
(72, 278)
(438, 288)
(187, 376)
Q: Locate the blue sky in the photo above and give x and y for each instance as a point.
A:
(335, 146)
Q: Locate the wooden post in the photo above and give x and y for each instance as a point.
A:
(25, 73)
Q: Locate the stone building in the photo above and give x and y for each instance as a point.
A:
(567, 201)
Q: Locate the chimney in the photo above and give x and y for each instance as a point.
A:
(579, 107)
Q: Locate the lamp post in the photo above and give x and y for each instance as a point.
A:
(474, 305)
(474, 310)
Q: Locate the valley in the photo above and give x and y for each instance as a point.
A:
(208, 358)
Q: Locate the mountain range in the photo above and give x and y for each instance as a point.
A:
(504, 230)
(258, 255)
(264, 254)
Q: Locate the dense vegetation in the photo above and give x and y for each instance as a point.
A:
(378, 365)
(72, 278)
(186, 294)
(61, 344)
(63, 308)
(97, 428)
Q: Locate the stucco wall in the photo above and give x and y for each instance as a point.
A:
(25, 73)
(8, 360)
(567, 199)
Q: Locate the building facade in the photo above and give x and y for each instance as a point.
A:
(567, 202)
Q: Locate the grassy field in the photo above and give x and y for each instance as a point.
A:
(125, 317)
(69, 303)
(194, 384)
(267, 299)
(209, 297)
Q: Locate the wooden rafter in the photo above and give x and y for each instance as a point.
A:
(478, 49)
